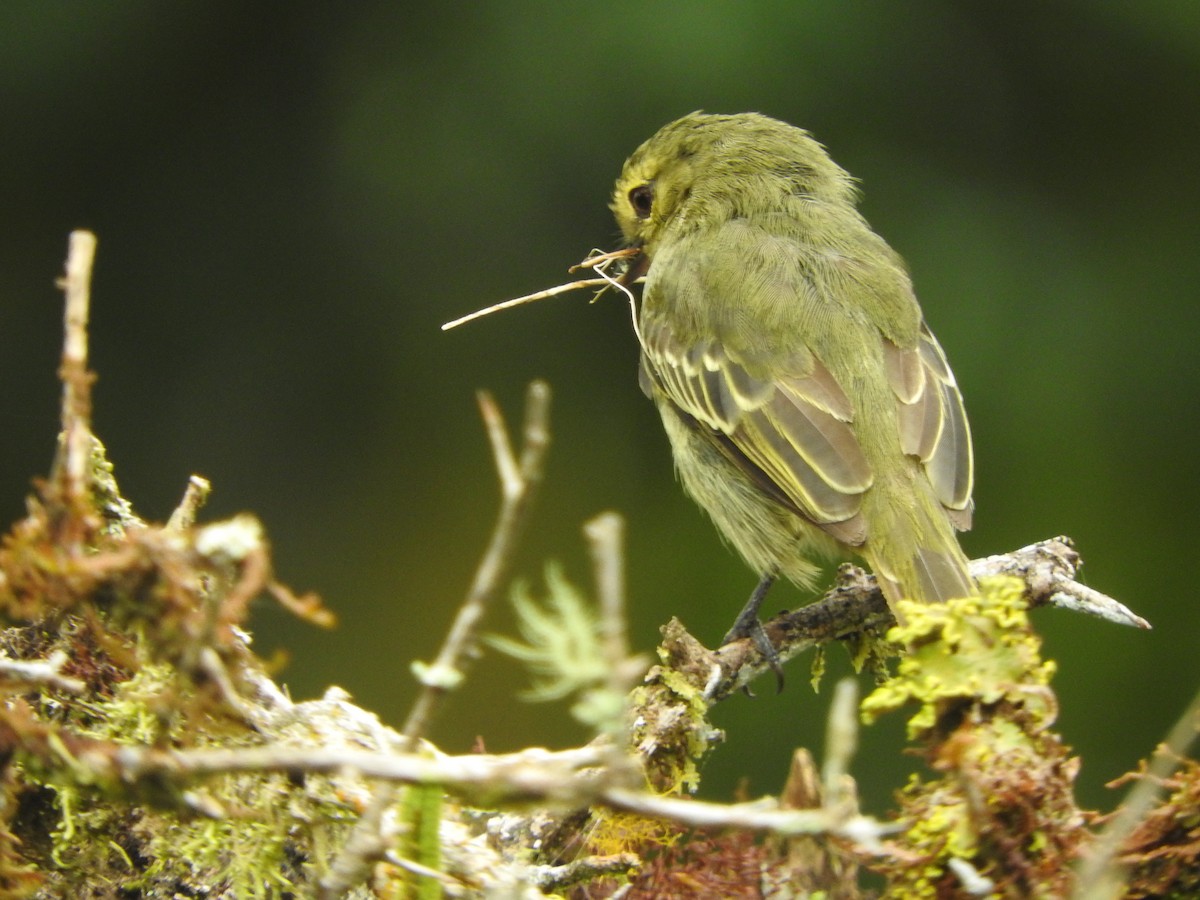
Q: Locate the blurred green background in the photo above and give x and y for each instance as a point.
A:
(291, 198)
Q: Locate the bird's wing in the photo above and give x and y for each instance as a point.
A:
(933, 423)
(793, 434)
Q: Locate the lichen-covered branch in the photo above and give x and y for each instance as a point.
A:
(855, 606)
(145, 751)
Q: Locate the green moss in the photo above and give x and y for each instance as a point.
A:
(420, 817)
(254, 835)
(245, 835)
(243, 857)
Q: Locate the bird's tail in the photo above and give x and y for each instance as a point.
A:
(919, 558)
(929, 576)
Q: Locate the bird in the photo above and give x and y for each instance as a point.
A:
(810, 410)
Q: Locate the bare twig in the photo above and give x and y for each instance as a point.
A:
(1048, 569)
(75, 450)
(534, 774)
(519, 479)
(194, 497)
(972, 882)
(599, 262)
(841, 743)
(605, 535)
(602, 259)
(755, 816)
(209, 662)
(425, 872)
(365, 845)
(528, 298)
(46, 671)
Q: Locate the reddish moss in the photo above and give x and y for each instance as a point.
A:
(1163, 852)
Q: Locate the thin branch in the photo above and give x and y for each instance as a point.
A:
(535, 774)
(756, 816)
(528, 298)
(502, 452)
(425, 872)
(841, 743)
(75, 449)
(605, 535)
(365, 845)
(194, 497)
(563, 779)
(1048, 569)
(46, 671)
(599, 262)
(602, 259)
(209, 662)
(856, 605)
(519, 480)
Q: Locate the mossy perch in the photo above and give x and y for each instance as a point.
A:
(147, 753)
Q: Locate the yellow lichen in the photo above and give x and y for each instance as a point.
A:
(672, 762)
(969, 650)
(611, 832)
(1002, 800)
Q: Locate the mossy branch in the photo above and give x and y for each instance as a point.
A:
(146, 751)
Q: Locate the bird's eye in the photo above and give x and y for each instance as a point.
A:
(641, 198)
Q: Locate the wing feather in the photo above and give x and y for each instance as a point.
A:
(933, 423)
(793, 436)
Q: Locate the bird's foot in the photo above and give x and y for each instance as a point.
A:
(748, 625)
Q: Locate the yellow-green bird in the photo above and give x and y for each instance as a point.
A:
(809, 408)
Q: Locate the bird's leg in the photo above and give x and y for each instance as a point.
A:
(748, 625)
